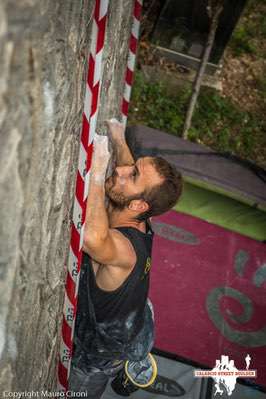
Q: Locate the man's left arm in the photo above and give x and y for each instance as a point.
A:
(123, 154)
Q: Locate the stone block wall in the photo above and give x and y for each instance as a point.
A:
(43, 52)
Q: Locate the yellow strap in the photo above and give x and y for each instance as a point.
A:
(154, 374)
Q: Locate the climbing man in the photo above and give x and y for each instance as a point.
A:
(114, 322)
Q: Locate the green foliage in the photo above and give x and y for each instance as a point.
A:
(241, 42)
(224, 126)
(154, 107)
(217, 122)
(250, 30)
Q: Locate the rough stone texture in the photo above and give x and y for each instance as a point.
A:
(115, 58)
(43, 49)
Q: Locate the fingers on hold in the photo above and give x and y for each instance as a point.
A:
(113, 120)
(114, 123)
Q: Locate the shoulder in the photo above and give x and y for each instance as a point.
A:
(124, 241)
(140, 241)
(115, 250)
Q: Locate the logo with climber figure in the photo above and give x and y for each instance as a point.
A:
(225, 374)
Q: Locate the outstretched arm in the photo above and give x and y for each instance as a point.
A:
(96, 221)
(106, 246)
(117, 135)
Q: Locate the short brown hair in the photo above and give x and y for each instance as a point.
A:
(162, 197)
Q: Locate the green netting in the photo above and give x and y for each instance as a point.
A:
(223, 211)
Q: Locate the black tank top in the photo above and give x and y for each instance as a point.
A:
(110, 324)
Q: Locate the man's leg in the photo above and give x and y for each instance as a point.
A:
(92, 383)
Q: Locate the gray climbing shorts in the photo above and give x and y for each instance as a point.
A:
(92, 381)
(89, 375)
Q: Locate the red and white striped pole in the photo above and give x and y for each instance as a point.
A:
(133, 42)
(87, 135)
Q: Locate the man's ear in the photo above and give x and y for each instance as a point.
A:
(138, 205)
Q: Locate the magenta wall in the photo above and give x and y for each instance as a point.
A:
(208, 288)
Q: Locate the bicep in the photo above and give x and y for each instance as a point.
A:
(115, 250)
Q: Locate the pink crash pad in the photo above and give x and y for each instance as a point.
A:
(208, 290)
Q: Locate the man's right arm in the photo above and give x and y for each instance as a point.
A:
(105, 245)
(117, 135)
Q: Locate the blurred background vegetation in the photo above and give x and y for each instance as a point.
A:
(231, 119)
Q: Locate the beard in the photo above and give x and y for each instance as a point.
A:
(117, 198)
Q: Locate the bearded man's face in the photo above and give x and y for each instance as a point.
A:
(130, 182)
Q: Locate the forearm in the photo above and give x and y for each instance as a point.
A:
(117, 134)
(96, 220)
(123, 153)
